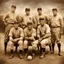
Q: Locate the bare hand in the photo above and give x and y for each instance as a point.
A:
(40, 39)
(15, 40)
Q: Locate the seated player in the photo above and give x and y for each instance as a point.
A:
(44, 37)
(16, 37)
(30, 34)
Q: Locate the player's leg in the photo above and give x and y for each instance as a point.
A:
(11, 46)
(59, 48)
(58, 37)
(53, 45)
(7, 29)
(43, 47)
(50, 47)
(53, 42)
(20, 48)
(34, 46)
(25, 47)
(6, 40)
(29, 50)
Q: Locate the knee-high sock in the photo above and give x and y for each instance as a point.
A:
(41, 49)
(26, 50)
(59, 47)
(33, 51)
(5, 46)
(29, 52)
(11, 51)
(53, 44)
(20, 51)
(50, 47)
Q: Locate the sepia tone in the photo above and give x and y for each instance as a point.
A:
(46, 6)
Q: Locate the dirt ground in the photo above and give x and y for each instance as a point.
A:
(49, 59)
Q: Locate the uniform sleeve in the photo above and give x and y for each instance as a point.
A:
(11, 31)
(49, 22)
(21, 32)
(47, 18)
(10, 34)
(25, 33)
(47, 29)
(61, 24)
(34, 33)
(5, 18)
(34, 21)
(61, 21)
(17, 17)
(38, 31)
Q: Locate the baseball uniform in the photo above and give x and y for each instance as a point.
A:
(56, 25)
(41, 32)
(14, 34)
(27, 33)
(9, 20)
(39, 16)
(27, 18)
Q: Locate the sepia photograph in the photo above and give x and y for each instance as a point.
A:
(31, 31)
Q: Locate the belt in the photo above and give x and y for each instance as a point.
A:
(56, 27)
(11, 23)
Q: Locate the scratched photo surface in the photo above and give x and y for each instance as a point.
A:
(46, 6)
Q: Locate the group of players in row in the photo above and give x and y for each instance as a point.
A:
(29, 32)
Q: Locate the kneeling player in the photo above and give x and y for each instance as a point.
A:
(16, 37)
(44, 36)
(30, 34)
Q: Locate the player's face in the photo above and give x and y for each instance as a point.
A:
(16, 26)
(27, 12)
(42, 22)
(54, 12)
(30, 26)
(13, 9)
(39, 11)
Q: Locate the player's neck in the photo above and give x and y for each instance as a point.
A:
(27, 14)
(16, 28)
(42, 25)
(29, 29)
(55, 15)
(12, 12)
(40, 14)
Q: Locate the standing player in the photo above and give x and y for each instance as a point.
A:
(16, 37)
(27, 17)
(9, 19)
(56, 29)
(40, 14)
